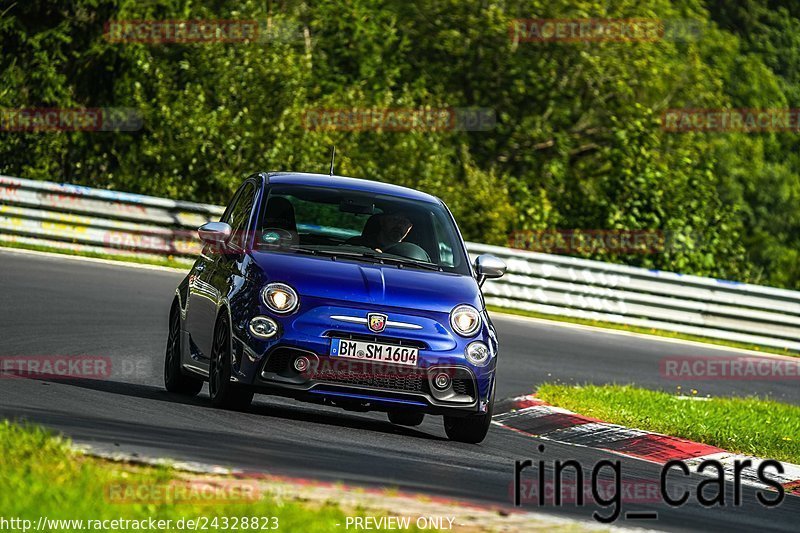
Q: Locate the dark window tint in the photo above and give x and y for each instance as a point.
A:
(238, 214)
(357, 224)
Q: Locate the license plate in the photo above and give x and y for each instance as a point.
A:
(375, 352)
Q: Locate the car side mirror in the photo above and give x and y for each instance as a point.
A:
(488, 266)
(215, 233)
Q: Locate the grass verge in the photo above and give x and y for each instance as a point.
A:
(753, 426)
(41, 476)
(645, 331)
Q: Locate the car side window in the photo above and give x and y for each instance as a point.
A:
(443, 240)
(239, 215)
(226, 216)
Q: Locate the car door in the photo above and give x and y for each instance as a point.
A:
(206, 289)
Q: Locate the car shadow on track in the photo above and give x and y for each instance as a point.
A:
(341, 418)
(263, 408)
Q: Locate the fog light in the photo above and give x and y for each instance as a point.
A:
(477, 353)
(302, 363)
(263, 327)
(441, 381)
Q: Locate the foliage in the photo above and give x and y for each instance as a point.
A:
(577, 141)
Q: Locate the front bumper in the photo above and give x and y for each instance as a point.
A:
(353, 383)
(267, 366)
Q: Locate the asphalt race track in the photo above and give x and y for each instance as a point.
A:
(62, 306)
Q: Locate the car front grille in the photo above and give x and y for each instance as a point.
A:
(356, 373)
(400, 380)
(280, 360)
(464, 385)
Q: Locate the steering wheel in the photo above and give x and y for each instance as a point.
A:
(409, 250)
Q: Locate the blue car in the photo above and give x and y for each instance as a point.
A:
(340, 291)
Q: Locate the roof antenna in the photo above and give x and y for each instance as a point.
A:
(333, 157)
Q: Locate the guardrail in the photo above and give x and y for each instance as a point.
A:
(82, 219)
(694, 305)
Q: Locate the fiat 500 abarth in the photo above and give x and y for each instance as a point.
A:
(340, 291)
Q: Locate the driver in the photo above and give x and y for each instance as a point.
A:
(392, 230)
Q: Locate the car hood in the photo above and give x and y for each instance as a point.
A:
(355, 282)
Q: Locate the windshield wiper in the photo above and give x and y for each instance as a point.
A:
(335, 253)
(410, 262)
(372, 257)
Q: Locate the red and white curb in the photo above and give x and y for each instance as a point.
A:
(533, 417)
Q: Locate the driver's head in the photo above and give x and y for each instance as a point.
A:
(393, 229)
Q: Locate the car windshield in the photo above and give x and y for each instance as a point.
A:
(360, 226)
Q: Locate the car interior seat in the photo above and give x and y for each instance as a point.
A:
(369, 235)
(279, 214)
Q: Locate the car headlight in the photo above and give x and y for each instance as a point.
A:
(465, 320)
(477, 353)
(280, 298)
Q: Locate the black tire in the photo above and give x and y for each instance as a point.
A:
(174, 378)
(223, 393)
(471, 429)
(406, 418)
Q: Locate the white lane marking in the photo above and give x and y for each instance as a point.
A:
(749, 475)
(96, 450)
(52, 255)
(536, 411)
(645, 336)
(595, 433)
(526, 398)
